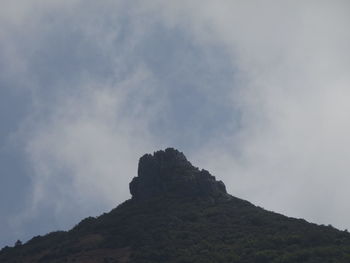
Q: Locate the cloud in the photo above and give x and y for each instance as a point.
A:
(88, 150)
(90, 107)
(255, 92)
(104, 90)
(291, 87)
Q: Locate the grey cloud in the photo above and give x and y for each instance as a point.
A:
(290, 155)
(256, 93)
(101, 94)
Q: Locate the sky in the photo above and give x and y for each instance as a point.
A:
(256, 92)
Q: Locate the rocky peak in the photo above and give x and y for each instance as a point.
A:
(169, 173)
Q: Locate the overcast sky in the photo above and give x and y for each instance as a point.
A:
(256, 92)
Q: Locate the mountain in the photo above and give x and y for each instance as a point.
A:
(181, 214)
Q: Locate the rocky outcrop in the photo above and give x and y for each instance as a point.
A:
(169, 173)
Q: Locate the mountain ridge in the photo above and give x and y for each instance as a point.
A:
(179, 213)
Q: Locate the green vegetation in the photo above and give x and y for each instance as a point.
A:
(194, 230)
(180, 214)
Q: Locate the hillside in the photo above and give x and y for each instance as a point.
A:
(179, 213)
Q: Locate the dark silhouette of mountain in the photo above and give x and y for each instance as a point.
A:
(179, 213)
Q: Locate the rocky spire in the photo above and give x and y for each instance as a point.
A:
(169, 173)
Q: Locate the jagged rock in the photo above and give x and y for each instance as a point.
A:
(169, 173)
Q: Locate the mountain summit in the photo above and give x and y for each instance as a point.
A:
(169, 173)
(180, 214)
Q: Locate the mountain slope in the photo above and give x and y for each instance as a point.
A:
(179, 213)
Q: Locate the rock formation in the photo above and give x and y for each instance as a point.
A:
(169, 173)
(179, 213)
